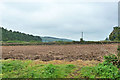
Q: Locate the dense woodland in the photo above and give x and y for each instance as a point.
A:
(9, 35)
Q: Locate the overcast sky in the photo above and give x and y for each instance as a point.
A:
(61, 19)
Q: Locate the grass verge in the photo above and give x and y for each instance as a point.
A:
(58, 69)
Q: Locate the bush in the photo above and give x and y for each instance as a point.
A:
(102, 70)
(114, 59)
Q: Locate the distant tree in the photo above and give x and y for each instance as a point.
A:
(81, 40)
(107, 39)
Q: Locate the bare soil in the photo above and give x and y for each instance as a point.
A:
(59, 52)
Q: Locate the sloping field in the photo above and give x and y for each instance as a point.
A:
(59, 52)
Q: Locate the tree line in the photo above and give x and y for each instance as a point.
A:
(9, 35)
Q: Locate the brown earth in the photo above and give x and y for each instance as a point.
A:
(59, 52)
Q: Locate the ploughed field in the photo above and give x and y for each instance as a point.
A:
(59, 52)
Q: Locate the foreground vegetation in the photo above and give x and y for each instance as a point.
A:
(102, 70)
(59, 69)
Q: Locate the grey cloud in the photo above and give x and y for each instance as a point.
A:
(61, 19)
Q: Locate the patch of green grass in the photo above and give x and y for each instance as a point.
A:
(13, 68)
(21, 41)
(14, 41)
(26, 69)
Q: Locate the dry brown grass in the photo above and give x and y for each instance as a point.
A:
(79, 63)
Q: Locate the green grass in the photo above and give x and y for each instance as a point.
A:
(21, 41)
(26, 69)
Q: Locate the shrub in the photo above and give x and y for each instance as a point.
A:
(102, 70)
(114, 59)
